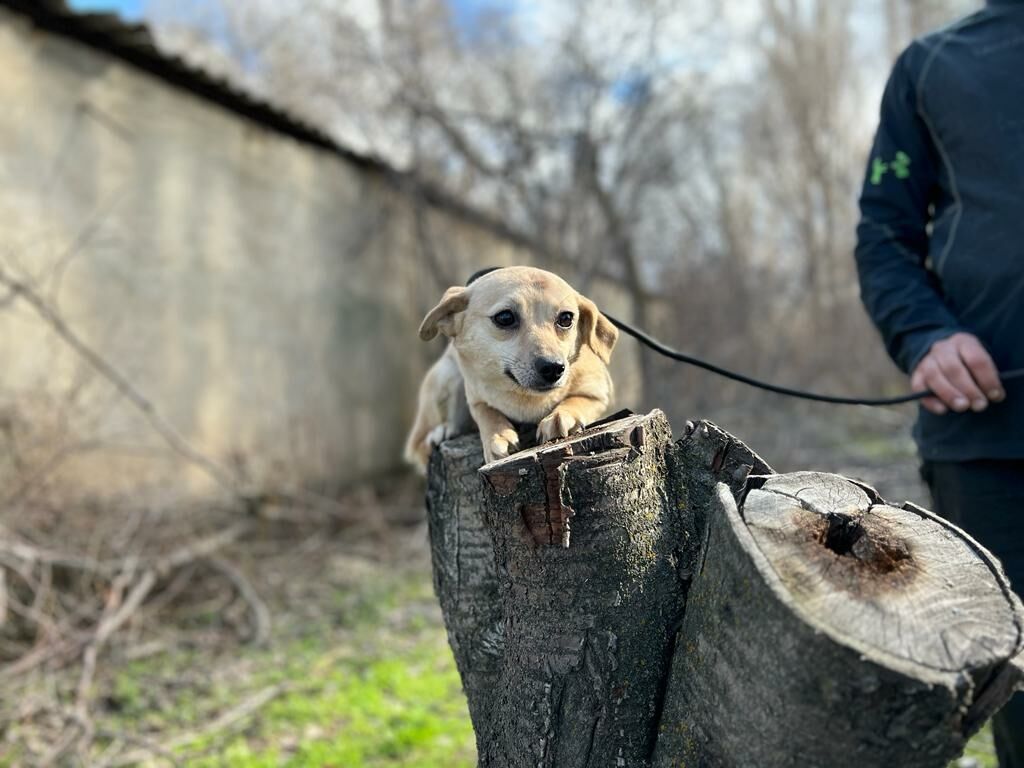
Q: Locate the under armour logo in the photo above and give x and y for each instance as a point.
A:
(900, 167)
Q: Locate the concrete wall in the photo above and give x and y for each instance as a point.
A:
(262, 293)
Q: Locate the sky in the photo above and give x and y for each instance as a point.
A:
(130, 9)
(536, 19)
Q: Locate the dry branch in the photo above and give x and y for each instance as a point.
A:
(106, 585)
(124, 387)
(219, 726)
(261, 621)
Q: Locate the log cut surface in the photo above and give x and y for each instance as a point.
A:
(883, 579)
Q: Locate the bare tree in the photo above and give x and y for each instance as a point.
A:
(906, 19)
(578, 140)
(661, 144)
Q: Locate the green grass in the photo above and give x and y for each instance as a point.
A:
(375, 710)
(982, 749)
(378, 689)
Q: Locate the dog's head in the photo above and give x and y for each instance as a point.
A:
(520, 329)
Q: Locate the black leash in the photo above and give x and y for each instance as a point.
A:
(661, 349)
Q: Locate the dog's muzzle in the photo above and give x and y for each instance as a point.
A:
(547, 374)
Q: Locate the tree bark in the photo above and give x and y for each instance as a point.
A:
(617, 599)
(464, 572)
(586, 544)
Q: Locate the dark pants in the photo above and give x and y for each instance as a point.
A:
(986, 499)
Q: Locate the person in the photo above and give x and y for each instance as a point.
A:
(940, 258)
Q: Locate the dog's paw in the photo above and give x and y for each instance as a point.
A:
(501, 445)
(558, 423)
(439, 434)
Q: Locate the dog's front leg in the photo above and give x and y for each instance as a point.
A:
(570, 416)
(497, 434)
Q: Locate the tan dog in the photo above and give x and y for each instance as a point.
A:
(526, 349)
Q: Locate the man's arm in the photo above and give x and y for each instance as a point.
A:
(902, 297)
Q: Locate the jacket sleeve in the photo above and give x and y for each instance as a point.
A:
(900, 293)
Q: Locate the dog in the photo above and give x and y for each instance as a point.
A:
(525, 349)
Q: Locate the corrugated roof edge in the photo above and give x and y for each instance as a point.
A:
(134, 44)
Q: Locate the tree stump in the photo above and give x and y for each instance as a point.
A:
(620, 599)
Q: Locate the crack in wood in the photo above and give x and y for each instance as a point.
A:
(558, 512)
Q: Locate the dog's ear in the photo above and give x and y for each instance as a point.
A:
(596, 330)
(441, 318)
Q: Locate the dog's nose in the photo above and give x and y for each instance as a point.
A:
(549, 370)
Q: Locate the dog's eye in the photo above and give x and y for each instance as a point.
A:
(565, 319)
(504, 319)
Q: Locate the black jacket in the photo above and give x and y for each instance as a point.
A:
(941, 238)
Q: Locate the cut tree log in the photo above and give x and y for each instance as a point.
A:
(826, 628)
(617, 599)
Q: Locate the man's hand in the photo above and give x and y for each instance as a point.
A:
(961, 373)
